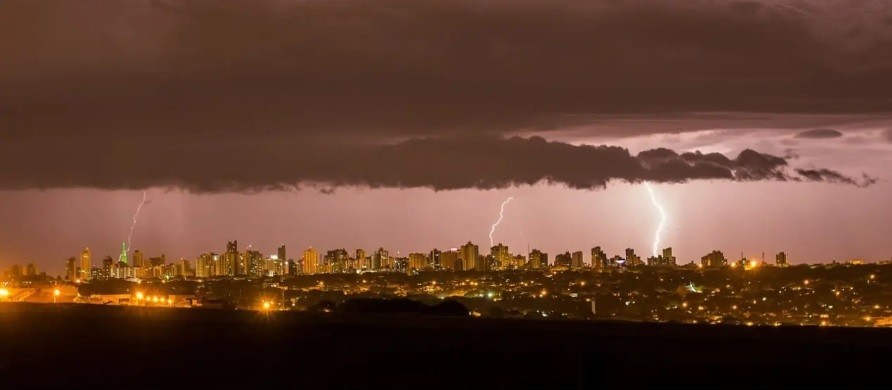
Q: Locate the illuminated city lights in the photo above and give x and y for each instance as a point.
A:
(692, 292)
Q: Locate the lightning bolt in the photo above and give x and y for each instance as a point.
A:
(135, 218)
(501, 215)
(659, 232)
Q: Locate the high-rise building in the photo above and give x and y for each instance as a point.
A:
(205, 265)
(310, 261)
(184, 268)
(500, 256)
(219, 265)
(668, 258)
(231, 259)
(158, 261)
(433, 259)
(518, 262)
(451, 260)
(470, 258)
(31, 270)
(576, 259)
(122, 258)
(632, 260)
(138, 259)
(280, 253)
(538, 259)
(781, 259)
(335, 260)
(85, 264)
(15, 272)
(664, 260)
(714, 259)
(71, 269)
(107, 264)
(254, 263)
(599, 258)
(362, 261)
(417, 261)
(562, 260)
(380, 259)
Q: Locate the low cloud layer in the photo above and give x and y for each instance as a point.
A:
(245, 165)
(830, 176)
(819, 133)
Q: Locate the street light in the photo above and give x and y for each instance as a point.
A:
(56, 293)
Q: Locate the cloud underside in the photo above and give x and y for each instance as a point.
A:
(442, 164)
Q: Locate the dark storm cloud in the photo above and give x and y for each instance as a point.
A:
(423, 67)
(472, 162)
(819, 133)
(826, 175)
(244, 95)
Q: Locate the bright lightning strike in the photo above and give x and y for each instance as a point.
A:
(135, 218)
(501, 215)
(659, 232)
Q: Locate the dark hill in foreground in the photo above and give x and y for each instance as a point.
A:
(80, 346)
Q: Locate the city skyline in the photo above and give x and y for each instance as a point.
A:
(391, 131)
(467, 257)
(155, 233)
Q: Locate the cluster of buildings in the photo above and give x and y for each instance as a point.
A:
(252, 263)
(17, 271)
(717, 259)
(81, 268)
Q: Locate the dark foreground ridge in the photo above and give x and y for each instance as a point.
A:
(99, 347)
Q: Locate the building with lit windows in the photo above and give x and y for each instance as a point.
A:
(576, 259)
(780, 259)
(310, 262)
(632, 259)
(85, 265)
(599, 258)
(714, 259)
(335, 260)
(500, 256)
(380, 259)
(470, 257)
(451, 260)
(417, 261)
(538, 259)
(71, 269)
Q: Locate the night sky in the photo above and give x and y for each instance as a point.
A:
(763, 126)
